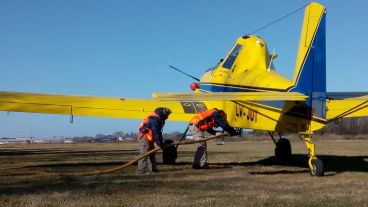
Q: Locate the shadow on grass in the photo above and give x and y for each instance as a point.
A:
(110, 183)
(52, 151)
(332, 163)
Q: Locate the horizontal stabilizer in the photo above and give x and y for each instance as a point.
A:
(231, 96)
(346, 104)
(347, 95)
(359, 98)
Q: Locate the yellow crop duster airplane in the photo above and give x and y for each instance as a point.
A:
(245, 85)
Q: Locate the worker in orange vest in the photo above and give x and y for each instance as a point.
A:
(206, 122)
(149, 132)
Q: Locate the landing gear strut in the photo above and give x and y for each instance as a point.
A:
(282, 149)
(315, 164)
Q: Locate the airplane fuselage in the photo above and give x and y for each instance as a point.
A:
(248, 68)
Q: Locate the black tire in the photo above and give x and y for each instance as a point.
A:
(317, 168)
(169, 154)
(283, 150)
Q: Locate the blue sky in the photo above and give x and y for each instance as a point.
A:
(123, 49)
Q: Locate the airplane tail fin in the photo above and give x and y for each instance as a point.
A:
(310, 69)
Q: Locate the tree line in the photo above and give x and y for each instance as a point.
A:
(123, 136)
(348, 126)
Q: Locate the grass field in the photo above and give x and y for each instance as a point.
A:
(241, 174)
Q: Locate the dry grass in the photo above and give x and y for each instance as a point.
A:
(241, 174)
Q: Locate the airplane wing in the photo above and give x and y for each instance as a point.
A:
(232, 96)
(346, 104)
(182, 105)
(95, 106)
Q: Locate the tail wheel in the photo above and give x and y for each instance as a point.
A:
(317, 167)
(283, 150)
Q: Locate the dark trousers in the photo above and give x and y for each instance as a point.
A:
(147, 164)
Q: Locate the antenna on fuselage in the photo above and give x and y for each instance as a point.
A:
(272, 57)
(197, 79)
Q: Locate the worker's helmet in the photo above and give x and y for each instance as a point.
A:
(166, 112)
(222, 114)
(163, 112)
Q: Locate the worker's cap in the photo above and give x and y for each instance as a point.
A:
(163, 112)
(222, 114)
(166, 111)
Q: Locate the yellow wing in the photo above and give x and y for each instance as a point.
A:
(94, 106)
(343, 105)
(182, 105)
(232, 96)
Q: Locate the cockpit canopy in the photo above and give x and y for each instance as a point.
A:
(249, 52)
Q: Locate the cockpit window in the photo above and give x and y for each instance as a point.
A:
(230, 60)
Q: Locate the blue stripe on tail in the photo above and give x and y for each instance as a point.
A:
(312, 78)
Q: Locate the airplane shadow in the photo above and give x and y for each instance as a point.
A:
(333, 164)
(53, 151)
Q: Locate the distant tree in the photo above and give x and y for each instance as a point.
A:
(82, 139)
(118, 134)
(351, 126)
(173, 135)
(98, 136)
(258, 133)
(130, 135)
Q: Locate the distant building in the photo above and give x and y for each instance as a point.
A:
(6, 140)
(129, 139)
(105, 139)
(189, 137)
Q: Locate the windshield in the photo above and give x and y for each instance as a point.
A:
(230, 60)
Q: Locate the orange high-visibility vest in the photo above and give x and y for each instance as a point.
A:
(147, 132)
(204, 120)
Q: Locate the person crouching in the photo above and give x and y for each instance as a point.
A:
(206, 122)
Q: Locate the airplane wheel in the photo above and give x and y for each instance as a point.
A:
(317, 167)
(283, 150)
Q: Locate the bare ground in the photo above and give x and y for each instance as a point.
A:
(241, 174)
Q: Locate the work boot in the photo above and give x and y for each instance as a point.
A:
(205, 166)
(196, 167)
(144, 172)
